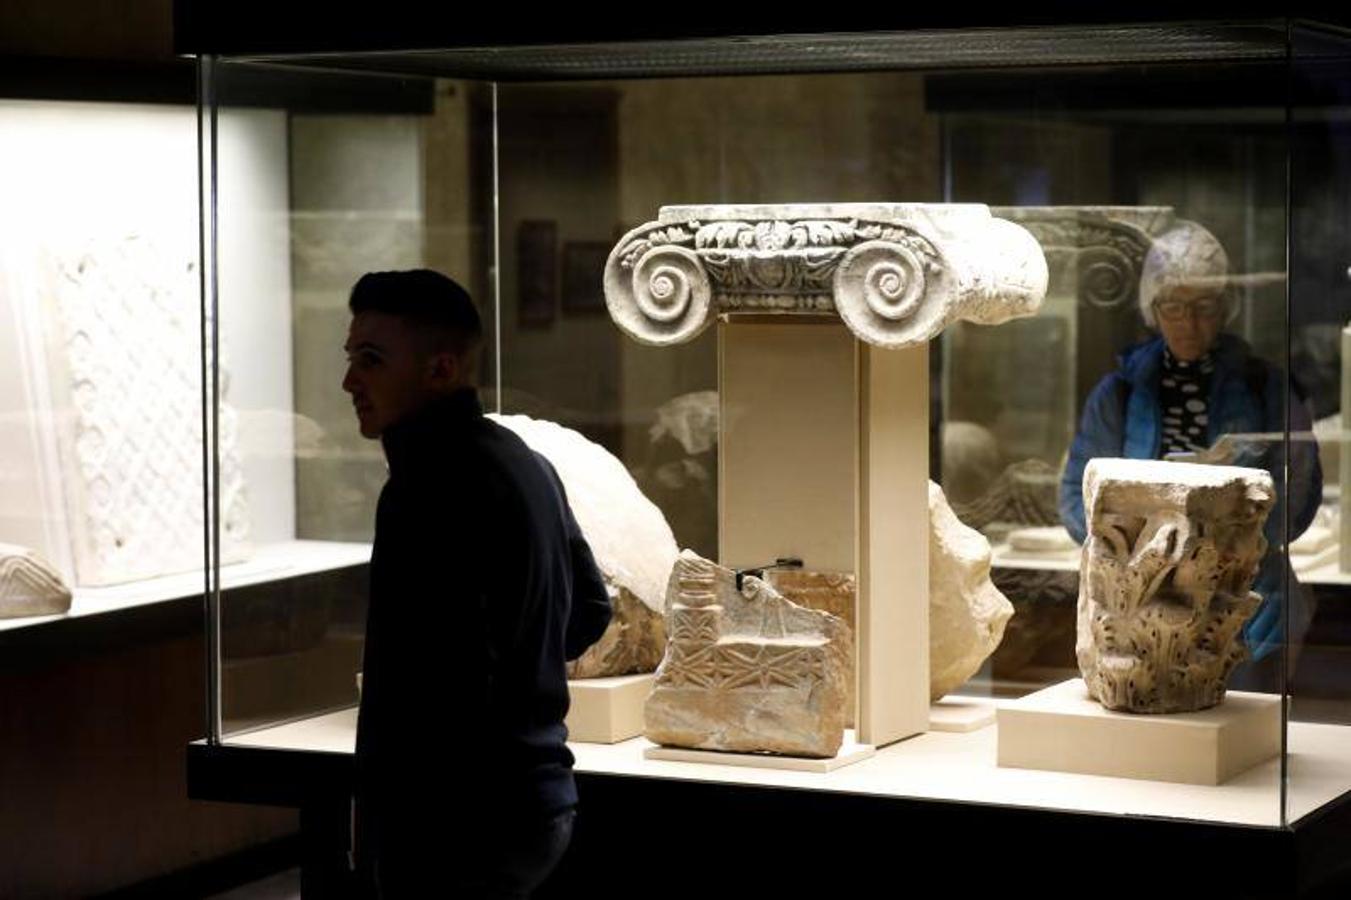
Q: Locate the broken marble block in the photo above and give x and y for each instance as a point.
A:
(967, 613)
(629, 537)
(747, 670)
(29, 585)
(1164, 588)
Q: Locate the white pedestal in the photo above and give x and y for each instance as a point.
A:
(1062, 729)
(607, 710)
(824, 456)
(850, 753)
(960, 715)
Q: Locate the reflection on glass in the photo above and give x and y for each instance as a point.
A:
(1195, 393)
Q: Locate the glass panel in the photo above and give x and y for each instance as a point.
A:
(1105, 168)
(1157, 194)
(1320, 309)
(319, 179)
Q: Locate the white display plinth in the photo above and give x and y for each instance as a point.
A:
(1062, 729)
(955, 767)
(960, 714)
(850, 753)
(823, 456)
(607, 710)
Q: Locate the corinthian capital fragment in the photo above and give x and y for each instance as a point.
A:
(896, 273)
(1165, 586)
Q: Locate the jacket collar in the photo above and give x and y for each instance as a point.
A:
(423, 435)
(1142, 361)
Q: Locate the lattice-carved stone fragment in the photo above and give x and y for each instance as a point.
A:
(29, 585)
(126, 370)
(1165, 583)
(896, 273)
(747, 670)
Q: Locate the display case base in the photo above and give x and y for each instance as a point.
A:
(607, 710)
(850, 753)
(1062, 729)
(960, 715)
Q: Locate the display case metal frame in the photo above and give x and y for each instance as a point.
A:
(1291, 858)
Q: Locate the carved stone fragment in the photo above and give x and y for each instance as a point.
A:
(1024, 494)
(746, 670)
(1165, 583)
(967, 613)
(832, 592)
(1041, 632)
(629, 537)
(896, 273)
(127, 365)
(633, 643)
(29, 586)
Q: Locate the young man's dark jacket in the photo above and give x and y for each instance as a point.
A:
(482, 586)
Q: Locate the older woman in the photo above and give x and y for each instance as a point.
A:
(1179, 393)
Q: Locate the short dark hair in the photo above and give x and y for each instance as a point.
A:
(429, 301)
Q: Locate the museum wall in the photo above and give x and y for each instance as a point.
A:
(558, 195)
(356, 205)
(94, 766)
(122, 29)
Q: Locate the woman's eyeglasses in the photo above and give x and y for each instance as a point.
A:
(1206, 308)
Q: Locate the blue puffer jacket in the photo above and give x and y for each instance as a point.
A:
(1122, 418)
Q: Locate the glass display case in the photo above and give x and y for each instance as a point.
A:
(1120, 166)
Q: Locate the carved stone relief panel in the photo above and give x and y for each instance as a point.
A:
(747, 670)
(126, 361)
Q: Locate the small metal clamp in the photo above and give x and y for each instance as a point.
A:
(784, 562)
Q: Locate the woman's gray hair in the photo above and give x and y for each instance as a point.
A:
(1186, 255)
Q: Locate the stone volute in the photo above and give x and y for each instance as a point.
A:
(896, 273)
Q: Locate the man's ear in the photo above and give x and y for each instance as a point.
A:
(444, 369)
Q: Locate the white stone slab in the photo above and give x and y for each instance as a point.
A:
(607, 710)
(850, 752)
(1063, 730)
(960, 715)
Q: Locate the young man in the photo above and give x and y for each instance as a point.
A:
(481, 587)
